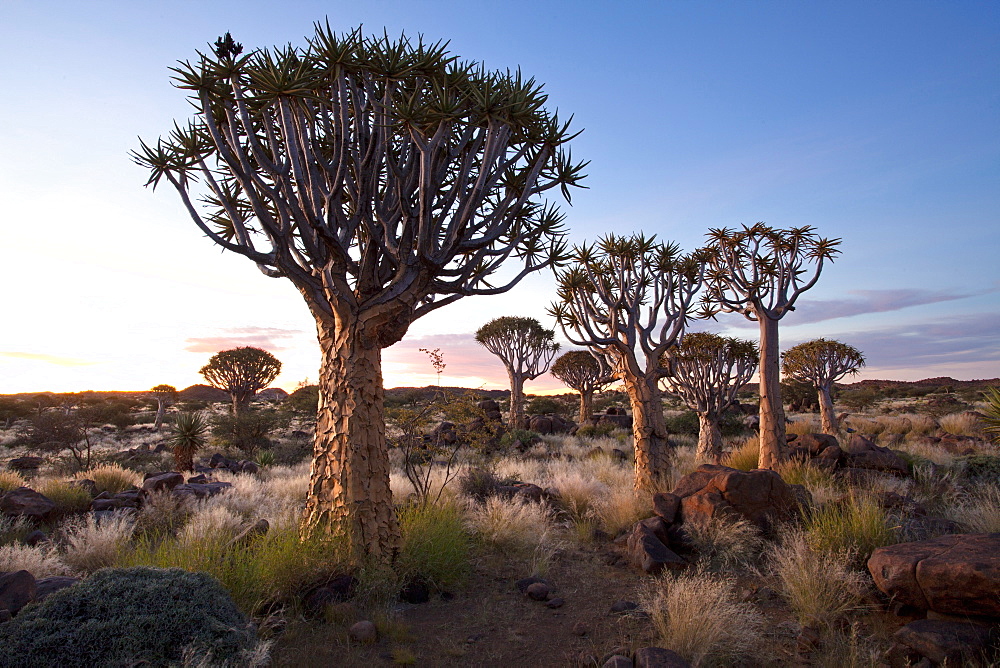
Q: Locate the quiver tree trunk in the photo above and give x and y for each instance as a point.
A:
(649, 431)
(586, 406)
(349, 492)
(772, 414)
(709, 439)
(516, 401)
(161, 406)
(826, 414)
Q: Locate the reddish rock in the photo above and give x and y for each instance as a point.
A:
(26, 502)
(666, 506)
(955, 575)
(658, 527)
(816, 443)
(863, 454)
(950, 643)
(537, 591)
(158, 482)
(648, 553)
(760, 496)
(17, 590)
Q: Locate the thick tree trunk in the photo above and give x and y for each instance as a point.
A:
(649, 430)
(709, 439)
(772, 414)
(516, 401)
(586, 406)
(349, 492)
(826, 414)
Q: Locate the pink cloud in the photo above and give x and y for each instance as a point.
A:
(271, 339)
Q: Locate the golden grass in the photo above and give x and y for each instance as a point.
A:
(11, 480)
(112, 478)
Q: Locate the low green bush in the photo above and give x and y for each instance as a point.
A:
(124, 617)
(435, 544)
(979, 467)
(855, 526)
(250, 431)
(595, 431)
(524, 435)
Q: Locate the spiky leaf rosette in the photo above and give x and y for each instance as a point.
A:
(375, 173)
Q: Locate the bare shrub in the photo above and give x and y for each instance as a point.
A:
(93, 544)
(820, 587)
(699, 616)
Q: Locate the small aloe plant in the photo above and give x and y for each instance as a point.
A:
(991, 414)
(188, 436)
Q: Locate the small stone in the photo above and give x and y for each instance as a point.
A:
(619, 607)
(523, 584)
(580, 629)
(537, 591)
(618, 661)
(363, 632)
(555, 603)
(657, 657)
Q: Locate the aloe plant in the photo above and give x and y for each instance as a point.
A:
(188, 437)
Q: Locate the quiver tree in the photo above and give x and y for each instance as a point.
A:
(821, 363)
(627, 299)
(760, 271)
(385, 179)
(165, 395)
(586, 374)
(242, 372)
(706, 371)
(526, 350)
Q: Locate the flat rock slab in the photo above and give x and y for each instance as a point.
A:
(951, 642)
(955, 575)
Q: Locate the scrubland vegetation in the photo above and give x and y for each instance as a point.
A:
(800, 593)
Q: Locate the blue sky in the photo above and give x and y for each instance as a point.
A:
(878, 123)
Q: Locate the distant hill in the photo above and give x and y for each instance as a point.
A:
(202, 392)
(941, 381)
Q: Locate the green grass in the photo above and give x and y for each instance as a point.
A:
(745, 457)
(436, 544)
(275, 567)
(69, 499)
(856, 525)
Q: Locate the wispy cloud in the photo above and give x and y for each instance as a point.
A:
(268, 338)
(48, 359)
(872, 301)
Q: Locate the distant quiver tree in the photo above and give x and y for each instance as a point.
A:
(242, 372)
(760, 271)
(384, 178)
(164, 396)
(706, 371)
(526, 350)
(821, 363)
(586, 374)
(627, 299)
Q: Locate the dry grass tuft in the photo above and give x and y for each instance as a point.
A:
(620, 508)
(69, 499)
(804, 425)
(512, 526)
(855, 525)
(41, 561)
(963, 424)
(744, 457)
(11, 480)
(93, 544)
(112, 478)
(725, 543)
(699, 616)
(820, 587)
(978, 511)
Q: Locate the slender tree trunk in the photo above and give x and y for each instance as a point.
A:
(160, 407)
(349, 492)
(709, 439)
(516, 401)
(773, 446)
(649, 430)
(586, 405)
(826, 414)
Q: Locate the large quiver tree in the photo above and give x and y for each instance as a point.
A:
(586, 374)
(627, 299)
(760, 271)
(821, 363)
(526, 350)
(241, 372)
(385, 179)
(706, 371)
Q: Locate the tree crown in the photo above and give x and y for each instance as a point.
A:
(760, 270)
(522, 343)
(581, 370)
(373, 172)
(707, 370)
(241, 371)
(821, 361)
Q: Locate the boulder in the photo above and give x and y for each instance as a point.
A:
(658, 526)
(816, 443)
(616, 421)
(657, 657)
(25, 463)
(363, 632)
(618, 661)
(491, 409)
(165, 481)
(17, 590)
(26, 502)
(648, 553)
(36, 537)
(760, 496)
(537, 591)
(953, 643)
(54, 583)
(954, 575)
(863, 454)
